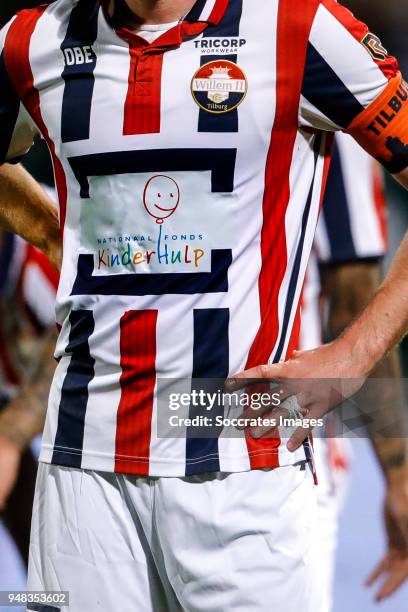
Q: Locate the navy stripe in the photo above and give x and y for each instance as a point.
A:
(210, 361)
(228, 27)
(221, 162)
(294, 279)
(336, 215)
(327, 92)
(74, 394)
(9, 109)
(195, 13)
(79, 77)
(177, 283)
(229, 24)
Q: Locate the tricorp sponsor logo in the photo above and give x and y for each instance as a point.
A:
(219, 46)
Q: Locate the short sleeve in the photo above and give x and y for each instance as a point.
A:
(18, 131)
(352, 84)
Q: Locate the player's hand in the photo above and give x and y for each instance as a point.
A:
(393, 569)
(320, 379)
(10, 455)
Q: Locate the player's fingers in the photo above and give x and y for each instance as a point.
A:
(378, 571)
(399, 573)
(254, 375)
(269, 428)
(298, 437)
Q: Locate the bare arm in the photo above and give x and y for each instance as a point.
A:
(385, 320)
(26, 210)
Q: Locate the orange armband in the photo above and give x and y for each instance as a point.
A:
(382, 128)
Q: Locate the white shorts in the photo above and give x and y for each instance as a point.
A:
(220, 542)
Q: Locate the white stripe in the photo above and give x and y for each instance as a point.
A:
(4, 32)
(51, 422)
(104, 390)
(47, 64)
(311, 328)
(108, 100)
(321, 241)
(174, 359)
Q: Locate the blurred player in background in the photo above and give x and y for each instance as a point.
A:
(343, 274)
(27, 331)
(198, 522)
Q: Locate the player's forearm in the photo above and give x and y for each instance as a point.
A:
(385, 320)
(24, 417)
(26, 210)
(392, 454)
(384, 403)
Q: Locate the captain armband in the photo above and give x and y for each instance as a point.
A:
(382, 128)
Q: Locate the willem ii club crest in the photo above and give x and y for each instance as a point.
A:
(219, 86)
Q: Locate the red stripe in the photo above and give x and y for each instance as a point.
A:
(358, 29)
(327, 161)
(218, 12)
(143, 101)
(294, 341)
(16, 55)
(293, 33)
(134, 418)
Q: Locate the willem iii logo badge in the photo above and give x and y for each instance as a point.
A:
(219, 86)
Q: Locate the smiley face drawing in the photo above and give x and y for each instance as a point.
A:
(161, 197)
